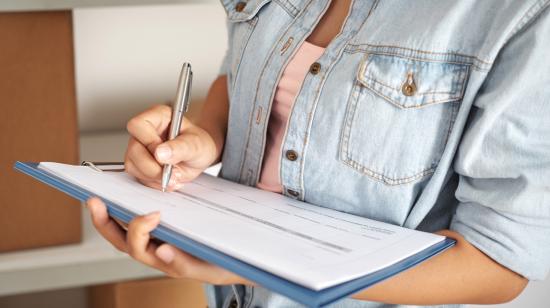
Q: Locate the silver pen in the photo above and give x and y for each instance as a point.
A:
(180, 106)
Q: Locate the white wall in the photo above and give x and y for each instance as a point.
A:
(537, 295)
(128, 58)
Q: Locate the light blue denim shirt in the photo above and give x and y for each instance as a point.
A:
(429, 114)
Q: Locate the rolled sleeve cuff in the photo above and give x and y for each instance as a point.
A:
(519, 243)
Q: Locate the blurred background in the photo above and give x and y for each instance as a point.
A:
(71, 74)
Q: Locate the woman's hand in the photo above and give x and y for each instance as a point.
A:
(166, 258)
(190, 153)
(195, 149)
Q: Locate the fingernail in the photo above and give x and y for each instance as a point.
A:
(166, 254)
(164, 152)
(152, 216)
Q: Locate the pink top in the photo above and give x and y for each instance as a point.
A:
(287, 89)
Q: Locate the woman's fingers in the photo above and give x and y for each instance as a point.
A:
(137, 243)
(138, 240)
(146, 166)
(142, 165)
(109, 229)
(192, 149)
(138, 233)
(148, 126)
(185, 148)
(175, 183)
(178, 263)
(181, 264)
(166, 258)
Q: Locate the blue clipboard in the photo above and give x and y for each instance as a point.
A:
(298, 293)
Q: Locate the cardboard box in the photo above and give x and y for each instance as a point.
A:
(38, 122)
(149, 293)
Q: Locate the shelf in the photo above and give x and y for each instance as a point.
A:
(91, 262)
(48, 5)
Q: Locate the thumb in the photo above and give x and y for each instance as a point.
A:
(186, 148)
(186, 265)
(181, 263)
(166, 253)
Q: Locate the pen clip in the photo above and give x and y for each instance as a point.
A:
(188, 92)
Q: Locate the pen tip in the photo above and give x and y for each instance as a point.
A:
(163, 189)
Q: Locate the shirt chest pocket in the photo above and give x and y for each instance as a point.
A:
(399, 115)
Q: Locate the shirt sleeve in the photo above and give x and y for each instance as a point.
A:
(503, 160)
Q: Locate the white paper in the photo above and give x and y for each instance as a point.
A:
(309, 245)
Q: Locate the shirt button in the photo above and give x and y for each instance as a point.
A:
(315, 68)
(291, 155)
(292, 192)
(239, 7)
(409, 89)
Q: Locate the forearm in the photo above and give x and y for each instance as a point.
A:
(213, 117)
(463, 274)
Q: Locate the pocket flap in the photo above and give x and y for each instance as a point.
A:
(412, 83)
(239, 11)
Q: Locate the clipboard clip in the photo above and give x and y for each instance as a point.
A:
(104, 166)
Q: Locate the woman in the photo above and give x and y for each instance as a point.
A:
(428, 114)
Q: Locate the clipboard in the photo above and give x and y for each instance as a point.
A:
(296, 292)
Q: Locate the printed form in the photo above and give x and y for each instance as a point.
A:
(309, 245)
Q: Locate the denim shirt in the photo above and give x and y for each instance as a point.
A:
(428, 114)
